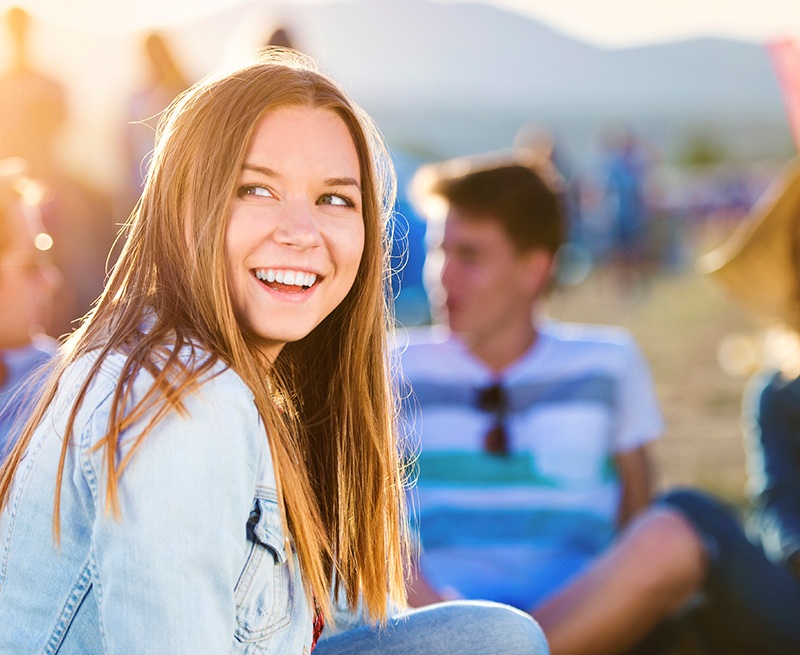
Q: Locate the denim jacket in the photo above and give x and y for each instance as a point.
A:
(197, 562)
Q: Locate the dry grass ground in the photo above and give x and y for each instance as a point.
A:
(679, 323)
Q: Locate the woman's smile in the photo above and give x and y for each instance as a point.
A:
(286, 280)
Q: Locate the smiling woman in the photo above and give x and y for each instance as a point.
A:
(212, 464)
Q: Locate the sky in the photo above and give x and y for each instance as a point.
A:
(608, 23)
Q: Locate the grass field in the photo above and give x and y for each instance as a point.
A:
(679, 322)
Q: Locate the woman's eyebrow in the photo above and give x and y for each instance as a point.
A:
(268, 172)
(343, 181)
(331, 181)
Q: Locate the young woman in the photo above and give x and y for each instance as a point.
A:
(212, 465)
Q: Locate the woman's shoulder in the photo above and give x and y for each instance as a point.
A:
(205, 383)
(211, 412)
(189, 359)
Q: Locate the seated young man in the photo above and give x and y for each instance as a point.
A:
(532, 433)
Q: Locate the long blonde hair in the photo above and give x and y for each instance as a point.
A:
(333, 438)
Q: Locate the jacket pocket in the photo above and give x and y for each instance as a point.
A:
(265, 591)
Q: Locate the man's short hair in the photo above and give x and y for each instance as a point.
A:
(527, 206)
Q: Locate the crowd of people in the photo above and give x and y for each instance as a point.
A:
(232, 449)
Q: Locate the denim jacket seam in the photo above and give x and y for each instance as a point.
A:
(90, 477)
(97, 584)
(78, 592)
(15, 508)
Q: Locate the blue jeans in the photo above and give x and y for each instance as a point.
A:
(750, 604)
(452, 628)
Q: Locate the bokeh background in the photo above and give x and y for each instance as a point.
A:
(691, 90)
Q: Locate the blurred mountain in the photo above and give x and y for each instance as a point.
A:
(449, 78)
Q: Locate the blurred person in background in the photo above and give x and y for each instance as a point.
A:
(33, 106)
(33, 113)
(164, 79)
(733, 581)
(614, 211)
(27, 281)
(625, 167)
(574, 256)
(532, 433)
(281, 37)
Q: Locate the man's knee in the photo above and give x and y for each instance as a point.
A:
(665, 553)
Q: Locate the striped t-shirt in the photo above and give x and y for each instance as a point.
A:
(514, 527)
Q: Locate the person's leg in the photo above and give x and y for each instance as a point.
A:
(751, 605)
(655, 566)
(451, 628)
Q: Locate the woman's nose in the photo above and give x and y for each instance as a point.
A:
(297, 226)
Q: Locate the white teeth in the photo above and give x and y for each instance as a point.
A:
(294, 278)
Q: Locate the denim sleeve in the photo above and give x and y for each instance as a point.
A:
(772, 437)
(165, 572)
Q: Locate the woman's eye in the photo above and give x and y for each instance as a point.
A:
(335, 199)
(255, 190)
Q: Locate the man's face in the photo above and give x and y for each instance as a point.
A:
(487, 286)
(26, 284)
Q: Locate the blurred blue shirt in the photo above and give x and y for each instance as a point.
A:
(20, 364)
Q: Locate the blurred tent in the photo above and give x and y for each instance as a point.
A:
(612, 23)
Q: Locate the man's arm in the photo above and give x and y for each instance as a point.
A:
(419, 591)
(635, 478)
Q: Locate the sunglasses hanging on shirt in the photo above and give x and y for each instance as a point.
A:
(494, 400)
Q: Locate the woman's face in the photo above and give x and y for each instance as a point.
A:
(295, 237)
